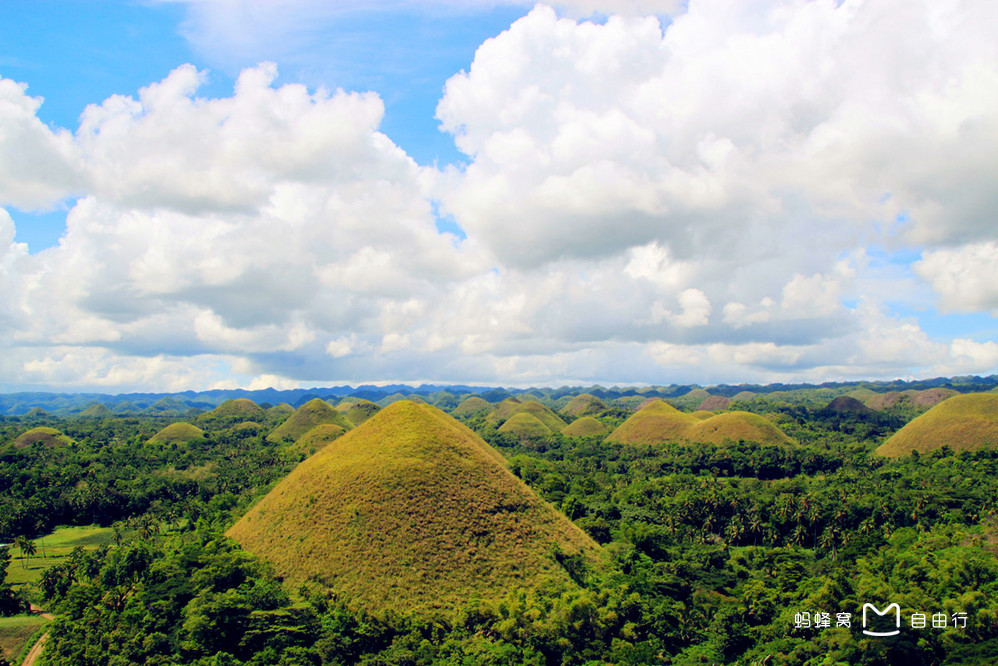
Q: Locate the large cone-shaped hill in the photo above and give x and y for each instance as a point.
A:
(964, 422)
(542, 414)
(656, 422)
(311, 414)
(660, 422)
(410, 510)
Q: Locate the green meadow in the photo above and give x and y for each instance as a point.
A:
(53, 549)
(18, 633)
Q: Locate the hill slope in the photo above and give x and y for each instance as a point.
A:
(964, 422)
(656, 422)
(411, 510)
(311, 414)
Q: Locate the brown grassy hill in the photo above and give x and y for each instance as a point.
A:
(930, 397)
(542, 413)
(525, 426)
(410, 511)
(583, 404)
(584, 426)
(964, 422)
(654, 423)
(472, 405)
(312, 413)
(701, 414)
(862, 394)
(41, 435)
(881, 401)
(714, 403)
(177, 433)
(357, 410)
(505, 409)
(233, 411)
(845, 404)
(736, 426)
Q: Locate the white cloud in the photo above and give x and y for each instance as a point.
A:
(965, 278)
(701, 200)
(38, 166)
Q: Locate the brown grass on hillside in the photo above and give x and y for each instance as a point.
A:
(542, 413)
(525, 426)
(411, 510)
(963, 422)
(317, 438)
(358, 410)
(583, 404)
(233, 411)
(656, 422)
(735, 427)
(312, 413)
(714, 403)
(660, 422)
(506, 408)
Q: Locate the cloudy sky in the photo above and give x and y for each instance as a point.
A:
(219, 193)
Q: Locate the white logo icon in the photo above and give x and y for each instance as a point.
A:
(881, 613)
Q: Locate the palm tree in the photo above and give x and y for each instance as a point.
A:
(27, 547)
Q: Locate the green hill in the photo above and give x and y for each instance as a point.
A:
(505, 409)
(177, 433)
(96, 411)
(583, 404)
(42, 435)
(312, 413)
(584, 426)
(964, 422)
(232, 412)
(656, 422)
(357, 410)
(410, 511)
(472, 405)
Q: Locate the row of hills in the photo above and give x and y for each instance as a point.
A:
(876, 395)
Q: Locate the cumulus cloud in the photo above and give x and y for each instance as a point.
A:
(699, 195)
(38, 166)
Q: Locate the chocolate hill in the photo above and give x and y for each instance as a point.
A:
(42, 435)
(964, 422)
(411, 510)
(659, 422)
(311, 414)
(177, 433)
(584, 426)
(583, 404)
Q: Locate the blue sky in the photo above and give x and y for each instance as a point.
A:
(78, 52)
(639, 191)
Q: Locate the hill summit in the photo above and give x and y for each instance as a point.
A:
(410, 510)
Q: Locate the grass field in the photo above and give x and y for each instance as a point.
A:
(17, 632)
(54, 548)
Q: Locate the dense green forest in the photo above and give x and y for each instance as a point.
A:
(732, 553)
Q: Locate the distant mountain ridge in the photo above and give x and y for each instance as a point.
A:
(69, 404)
